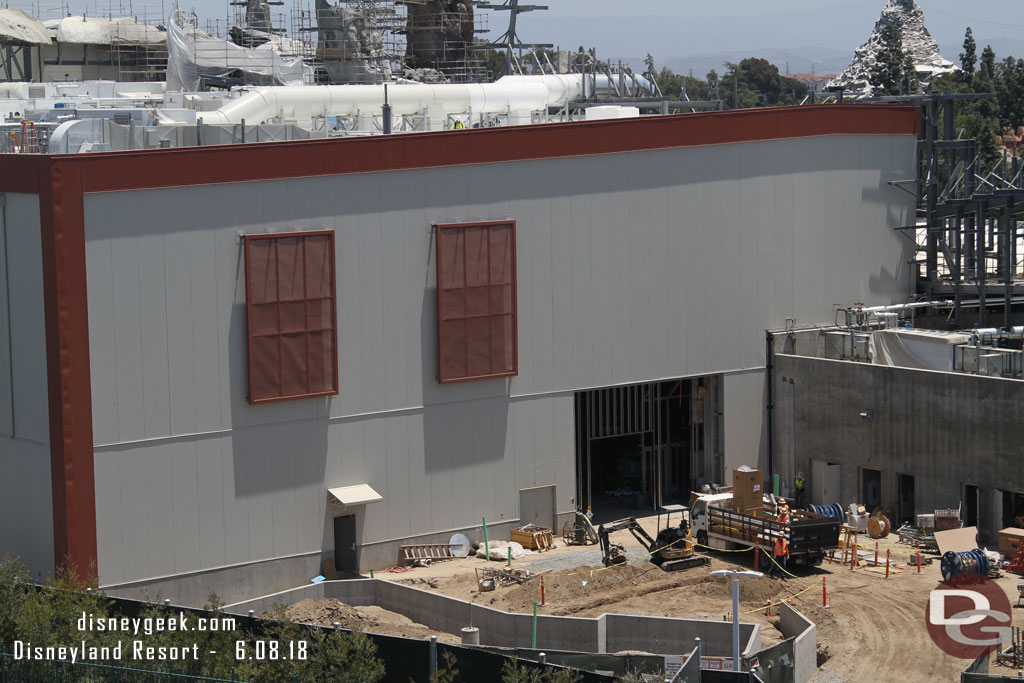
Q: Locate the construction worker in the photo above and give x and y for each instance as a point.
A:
(798, 487)
(458, 125)
(780, 546)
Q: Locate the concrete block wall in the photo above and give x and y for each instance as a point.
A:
(664, 635)
(607, 633)
(229, 584)
(804, 632)
(945, 429)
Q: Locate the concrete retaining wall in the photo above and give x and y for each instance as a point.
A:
(230, 584)
(795, 625)
(606, 633)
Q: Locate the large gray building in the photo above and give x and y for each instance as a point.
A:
(224, 365)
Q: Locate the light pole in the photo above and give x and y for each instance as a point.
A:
(736, 574)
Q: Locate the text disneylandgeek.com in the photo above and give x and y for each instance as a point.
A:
(137, 649)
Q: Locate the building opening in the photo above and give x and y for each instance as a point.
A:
(1013, 508)
(642, 446)
(871, 488)
(905, 504)
(970, 506)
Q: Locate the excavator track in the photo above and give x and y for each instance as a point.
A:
(685, 563)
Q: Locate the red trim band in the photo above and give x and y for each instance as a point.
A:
(336, 156)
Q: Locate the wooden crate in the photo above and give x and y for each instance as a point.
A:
(538, 539)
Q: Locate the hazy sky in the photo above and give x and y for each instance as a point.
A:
(670, 28)
(675, 28)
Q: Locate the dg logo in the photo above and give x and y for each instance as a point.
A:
(968, 616)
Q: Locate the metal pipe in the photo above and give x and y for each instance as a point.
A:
(736, 622)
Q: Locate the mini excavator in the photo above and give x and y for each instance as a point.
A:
(672, 549)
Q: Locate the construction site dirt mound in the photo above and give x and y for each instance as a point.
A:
(327, 612)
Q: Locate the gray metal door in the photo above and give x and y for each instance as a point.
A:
(346, 558)
(537, 505)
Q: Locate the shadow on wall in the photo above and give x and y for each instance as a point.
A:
(464, 423)
(275, 446)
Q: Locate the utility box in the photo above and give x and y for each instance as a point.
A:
(1010, 540)
(747, 485)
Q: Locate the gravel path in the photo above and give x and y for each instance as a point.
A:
(567, 562)
(826, 675)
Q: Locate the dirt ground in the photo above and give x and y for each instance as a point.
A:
(325, 612)
(872, 624)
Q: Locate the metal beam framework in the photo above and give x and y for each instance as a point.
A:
(969, 217)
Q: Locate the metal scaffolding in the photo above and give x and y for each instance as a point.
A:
(968, 233)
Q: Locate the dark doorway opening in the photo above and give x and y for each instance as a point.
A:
(636, 446)
(905, 498)
(1013, 507)
(970, 508)
(346, 553)
(871, 488)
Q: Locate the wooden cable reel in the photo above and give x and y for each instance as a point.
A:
(879, 526)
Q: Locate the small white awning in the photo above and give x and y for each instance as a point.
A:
(360, 494)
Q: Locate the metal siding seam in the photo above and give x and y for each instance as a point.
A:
(62, 222)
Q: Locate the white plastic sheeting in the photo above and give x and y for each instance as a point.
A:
(16, 25)
(511, 93)
(921, 349)
(192, 54)
(498, 550)
(89, 31)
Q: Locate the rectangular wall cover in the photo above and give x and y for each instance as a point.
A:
(291, 315)
(360, 494)
(476, 300)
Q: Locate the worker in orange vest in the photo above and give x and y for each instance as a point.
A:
(780, 545)
(781, 554)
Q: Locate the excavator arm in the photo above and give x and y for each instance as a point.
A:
(614, 553)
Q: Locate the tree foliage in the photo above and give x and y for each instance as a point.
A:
(969, 57)
(889, 74)
(512, 673)
(50, 616)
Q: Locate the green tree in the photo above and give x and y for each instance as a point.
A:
(511, 673)
(983, 130)
(910, 85)
(969, 57)
(988, 63)
(1009, 87)
(15, 581)
(495, 62)
(888, 71)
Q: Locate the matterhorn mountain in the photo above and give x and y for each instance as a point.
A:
(917, 42)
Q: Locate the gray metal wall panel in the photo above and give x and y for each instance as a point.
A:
(159, 513)
(26, 505)
(28, 327)
(632, 267)
(26, 499)
(744, 433)
(211, 501)
(185, 486)
(6, 364)
(109, 516)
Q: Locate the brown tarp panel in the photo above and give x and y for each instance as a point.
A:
(476, 300)
(291, 315)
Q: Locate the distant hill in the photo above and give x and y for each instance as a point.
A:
(1004, 47)
(820, 60)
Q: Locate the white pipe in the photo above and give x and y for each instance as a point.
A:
(515, 93)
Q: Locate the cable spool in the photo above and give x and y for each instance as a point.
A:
(974, 562)
(879, 527)
(834, 511)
